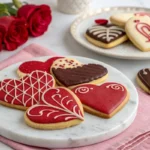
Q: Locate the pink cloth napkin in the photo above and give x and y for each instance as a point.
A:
(136, 137)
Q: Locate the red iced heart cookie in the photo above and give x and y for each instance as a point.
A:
(28, 67)
(25, 92)
(104, 100)
(58, 108)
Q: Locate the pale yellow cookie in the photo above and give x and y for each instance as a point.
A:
(106, 36)
(137, 29)
(59, 108)
(121, 18)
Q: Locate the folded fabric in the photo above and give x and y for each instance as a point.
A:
(33, 50)
(136, 137)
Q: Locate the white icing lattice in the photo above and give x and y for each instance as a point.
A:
(27, 88)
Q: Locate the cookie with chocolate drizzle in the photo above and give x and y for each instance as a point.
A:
(106, 36)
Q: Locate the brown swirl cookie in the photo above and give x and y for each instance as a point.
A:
(143, 79)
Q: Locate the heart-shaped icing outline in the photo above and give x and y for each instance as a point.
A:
(85, 88)
(77, 116)
(5, 93)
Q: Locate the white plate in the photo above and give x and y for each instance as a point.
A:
(125, 51)
(92, 130)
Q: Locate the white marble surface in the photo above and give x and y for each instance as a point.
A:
(59, 39)
(95, 129)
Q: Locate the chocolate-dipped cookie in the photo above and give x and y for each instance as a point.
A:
(70, 77)
(143, 79)
(106, 36)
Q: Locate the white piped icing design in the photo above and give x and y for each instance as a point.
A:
(18, 86)
(108, 33)
(61, 107)
(115, 87)
(83, 90)
(144, 71)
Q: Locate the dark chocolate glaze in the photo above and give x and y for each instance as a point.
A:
(144, 76)
(114, 34)
(79, 75)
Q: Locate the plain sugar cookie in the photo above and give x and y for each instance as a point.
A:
(121, 18)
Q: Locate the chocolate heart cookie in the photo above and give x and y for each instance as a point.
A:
(106, 36)
(90, 73)
(143, 79)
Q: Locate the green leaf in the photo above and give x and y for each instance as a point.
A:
(11, 9)
(17, 3)
(3, 10)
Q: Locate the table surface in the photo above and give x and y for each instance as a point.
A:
(59, 39)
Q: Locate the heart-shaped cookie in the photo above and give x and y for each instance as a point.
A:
(29, 66)
(143, 79)
(90, 73)
(66, 62)
(59, 108)
(106, 36)
(138, 31)
(27, 91)
(121, 18)
(104, 100)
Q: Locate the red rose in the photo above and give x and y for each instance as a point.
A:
(37, 17)
(16, 32)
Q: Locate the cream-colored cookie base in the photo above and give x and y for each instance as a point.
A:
(13, 106)
(121, 19)
(52, 126)
(104, 45)
(117, 22)
(139, 40)
(21, 74)
(103, 115)
(100, 80)
(142, 85)
(55, 126)
(62, 61)
(135, 43)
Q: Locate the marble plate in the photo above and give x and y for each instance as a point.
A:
(124, 51)
(92, 130)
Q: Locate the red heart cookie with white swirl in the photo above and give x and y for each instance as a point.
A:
(59, 108)
(104, 100)
(138, 31)
(29, 66)
(27, 91)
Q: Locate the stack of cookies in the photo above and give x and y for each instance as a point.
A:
(55, 93)
(132, 26)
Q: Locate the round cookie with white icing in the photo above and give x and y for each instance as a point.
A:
(59, 108)
(106, 36)
(143, 79)
(25, 92)
(122, 18)
(104, 100)
(137, 29)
